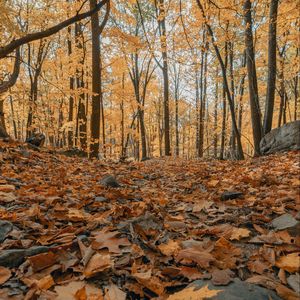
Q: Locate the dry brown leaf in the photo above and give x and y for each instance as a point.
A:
(169, 249)
(68, 292)
(290, 262)
(202, 258)
(114, 293)
(239, 233)
(81, 294)
(42, 261)
(106, 239)
(149, 281)
(5, 274)
(98, 263)
(222, 277)
(286, 293)
(192, 294)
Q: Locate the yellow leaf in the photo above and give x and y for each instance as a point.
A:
(290, 262)
(239, 233)
(192, 294)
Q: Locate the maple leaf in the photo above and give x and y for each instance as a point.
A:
(191, 294)
(107, 239)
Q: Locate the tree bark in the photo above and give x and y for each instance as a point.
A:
(269, 105)
(252, 79)
(163, 36)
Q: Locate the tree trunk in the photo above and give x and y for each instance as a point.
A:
(96, 84)
(269, 105)
(252, 78)
(4, 86)
(223, 132)
(71, 98)
(216, 116)
(163, 36)
(240, 154)
(231, 59)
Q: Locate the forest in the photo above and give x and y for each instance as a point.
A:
(149, 149)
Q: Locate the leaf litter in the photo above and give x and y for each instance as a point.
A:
(166, 225)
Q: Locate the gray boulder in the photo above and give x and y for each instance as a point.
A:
(284, 138)
(237, 290)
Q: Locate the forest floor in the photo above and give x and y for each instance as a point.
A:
(165, 229)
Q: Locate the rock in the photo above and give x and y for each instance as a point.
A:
(237, 290)
(284, 138)
(110, 181)
(228, 195)
(37, 139)
(283, 222)
(74, 152)
(294, 282)
(12, 258)
(100, 199)
(5, 228)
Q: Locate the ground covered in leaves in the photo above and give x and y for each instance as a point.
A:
(162, 229)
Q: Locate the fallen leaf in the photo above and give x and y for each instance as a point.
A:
(169, 249)
(98, 263)
(114, 293)
(290, 262)
(107, 239)
(202, 258)
(5, 274)
(192, 294)
(222, 277)
(239, 233)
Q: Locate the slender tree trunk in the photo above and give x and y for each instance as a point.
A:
(269, 105)
(231, 59)
(162, 24)
(252, 79)
(223, 133)
(13, 116)
(123, 150)
(197, 108)
(216, 115)
(96, 84)
(4, 86)
(201, 104)
(71, 98)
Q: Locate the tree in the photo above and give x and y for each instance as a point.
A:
(252, 78)
(269, 104)
(240, 154)
(96, 79)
